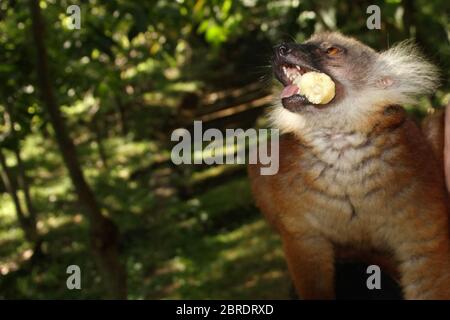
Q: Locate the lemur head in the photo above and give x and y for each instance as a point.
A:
(364, 80)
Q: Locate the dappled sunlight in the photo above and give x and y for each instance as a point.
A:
(11, 236)
(89, 134)
(236, 271)
(211, 172)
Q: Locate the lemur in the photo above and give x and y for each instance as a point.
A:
(357, 179)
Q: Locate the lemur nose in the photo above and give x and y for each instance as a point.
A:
(282, 50)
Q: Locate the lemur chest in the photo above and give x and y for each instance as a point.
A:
(342, 185)
(343, 165)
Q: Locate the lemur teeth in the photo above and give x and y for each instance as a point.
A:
(293, 74)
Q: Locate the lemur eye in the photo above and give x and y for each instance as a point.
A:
(331, 51)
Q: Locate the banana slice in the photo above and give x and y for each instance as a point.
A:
(317, 87)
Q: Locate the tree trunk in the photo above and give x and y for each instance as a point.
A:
(25, 186)
(99, 141)
(408, 17)
(32, 213)
(29, 221)
(28, 227)
(22, 177)
(122, 115)
(104, 235)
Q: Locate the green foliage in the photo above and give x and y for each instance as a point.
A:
(120, 81)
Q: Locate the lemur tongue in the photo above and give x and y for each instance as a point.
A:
(289, 90)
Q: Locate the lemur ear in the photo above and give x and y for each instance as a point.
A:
(405, 72)
(385, 82)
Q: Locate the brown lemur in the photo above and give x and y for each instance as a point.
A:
(357, 178)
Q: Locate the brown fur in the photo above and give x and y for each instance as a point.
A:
(381, 199)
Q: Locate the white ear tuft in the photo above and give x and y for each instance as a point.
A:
(408, 72)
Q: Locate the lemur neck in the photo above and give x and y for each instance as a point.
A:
(355, 135)
(346, 149)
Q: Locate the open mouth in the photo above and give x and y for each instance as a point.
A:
(289, 75)
(303, 86)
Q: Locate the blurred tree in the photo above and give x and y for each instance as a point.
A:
(103, 232)
(10, 140)
(27, 222)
